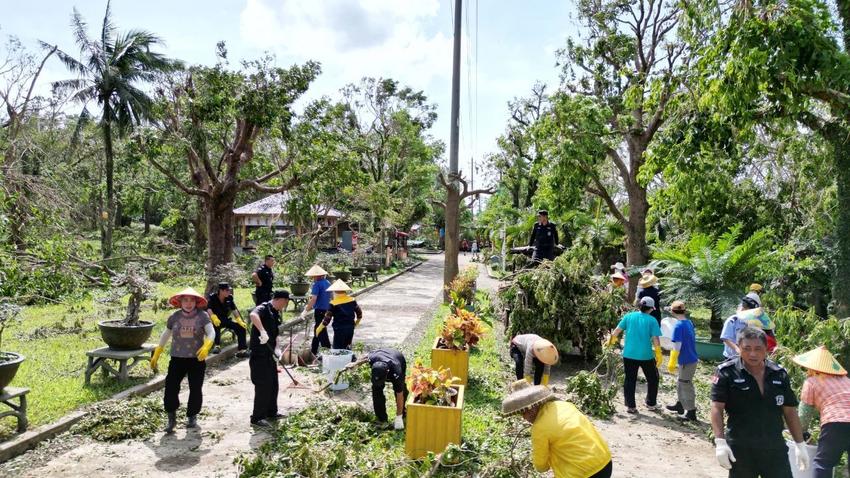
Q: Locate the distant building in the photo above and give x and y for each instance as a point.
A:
(271, 212)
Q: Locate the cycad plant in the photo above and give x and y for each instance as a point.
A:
(712, 272)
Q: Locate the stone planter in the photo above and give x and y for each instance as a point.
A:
(432, 428)
(122, 337)
(344, 276)
(373, 267)
(457, 361)
(357, 271)
(9, 363)
(299, 288)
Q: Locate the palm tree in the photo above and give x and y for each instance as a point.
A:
(109, 72)
(713, 272)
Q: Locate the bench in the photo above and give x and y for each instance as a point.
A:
(372, 276)
(99, 359)
(299, 302)
(19, 410)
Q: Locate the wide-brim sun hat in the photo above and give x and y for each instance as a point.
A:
(316, 271)
(339, 286)
(545, 351)
(525, 398)
(648, 280)
(756, 287)
(200, 301)
(820, 360)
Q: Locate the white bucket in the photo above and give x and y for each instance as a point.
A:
(667, 326)
(334, 361)
(792, 457)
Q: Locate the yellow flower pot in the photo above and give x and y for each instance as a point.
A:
(455, 360)
(432, 428)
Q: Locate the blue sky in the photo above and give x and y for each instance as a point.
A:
(409, 40)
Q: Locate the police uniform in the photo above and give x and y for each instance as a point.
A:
(754, 420)
(263, 292)
(344, 312)
(263, 365)
(543, 238)
(222, 311)
(392, 361)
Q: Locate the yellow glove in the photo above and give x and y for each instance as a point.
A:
(357, 322)
(205, 349)
(320, 328)
(612, 341)
(215, 320)
(529, 379)
(156, 353)
(673, 362)
(240, 322)
(545, 379)
(659, 359)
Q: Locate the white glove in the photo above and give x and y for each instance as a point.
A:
(398, 424)
(264, 337)
(802, 456)
(278, 353)
(723, 453)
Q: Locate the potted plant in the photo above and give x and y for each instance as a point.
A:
(9, 361)
(342, 262)
(434, 411)
(462, 290)
(357, 261)
(128, 333)
(460, 331)
(373, 263)
(297, 265)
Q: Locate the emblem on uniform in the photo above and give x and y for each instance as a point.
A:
(780, 400)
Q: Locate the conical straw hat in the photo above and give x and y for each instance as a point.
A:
(545, 351)
(339, 286)
(820, 360)
(200, 301)
(525, 398)
(316, 271)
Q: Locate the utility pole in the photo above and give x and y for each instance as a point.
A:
(453, 198)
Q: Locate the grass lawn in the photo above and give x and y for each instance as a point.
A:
(55, 338)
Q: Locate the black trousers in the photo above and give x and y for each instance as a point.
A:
(379, 401)
(261, 296)
(604, 472)
(650, 371)
(757, 462)
(236, 328)
(343, 336)
(834, 441)
(178, 368)
(322, 338)
(264, 378)
(519, 362)
(544, 252)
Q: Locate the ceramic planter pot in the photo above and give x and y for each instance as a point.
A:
(123, 337)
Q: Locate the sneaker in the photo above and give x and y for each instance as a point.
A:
(676, 408)
(688, 416)
(262, 423)
(216, 350)
(242, 353)
(631, 410)
(653, 408)
(192, 421)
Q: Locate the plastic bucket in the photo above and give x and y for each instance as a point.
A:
(334, 361)
(792, 458)
(667, 326)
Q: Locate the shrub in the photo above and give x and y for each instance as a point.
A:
(462, 288)
(431, 386)
(799, 331)
(461, 330)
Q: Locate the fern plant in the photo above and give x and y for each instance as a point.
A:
(713, 272)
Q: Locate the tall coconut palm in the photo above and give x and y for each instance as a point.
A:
(713, 272)
(110, 71)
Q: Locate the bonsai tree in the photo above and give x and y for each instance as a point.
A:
(431, 386)
(8, 314)
(713, 272)
(461, 330)
(134, 283)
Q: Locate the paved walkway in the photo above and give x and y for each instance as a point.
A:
(391, 313)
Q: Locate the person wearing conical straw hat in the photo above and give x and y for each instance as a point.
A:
(618, 279)
(562, 438)
(345, 315)
(648, 285)
(320, 303)
(191, 333)
(533, 357)
(826, 392)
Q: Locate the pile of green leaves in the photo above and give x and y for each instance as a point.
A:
(563, 301)
(799, 331)
(590, 395)
(114, 420)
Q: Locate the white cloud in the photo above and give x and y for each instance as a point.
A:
(353, 38)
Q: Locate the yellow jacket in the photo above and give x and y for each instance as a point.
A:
(563, 439)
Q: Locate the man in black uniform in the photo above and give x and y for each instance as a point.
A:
(265, 353)
(219, 305)
(756, 394)
(263, 278)
(387, 365)
(544, 237)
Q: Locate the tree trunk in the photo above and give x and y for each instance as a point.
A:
(450, 269)
(201, 226)
(109, 219)
(146, 213)
(637, 251)
(841, 279)
(219, 210)
(715, 325)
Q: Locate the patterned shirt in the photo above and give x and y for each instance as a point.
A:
(187, 332)
(830, 394)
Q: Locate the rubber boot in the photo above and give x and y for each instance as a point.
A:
(192, 421)
(172, 422)
(678, 408)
